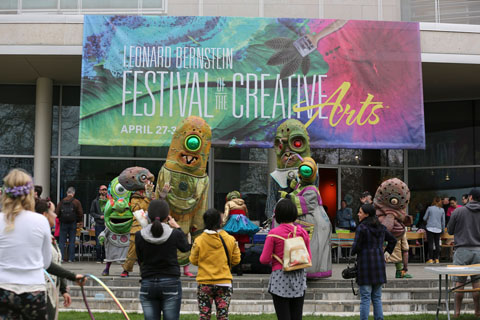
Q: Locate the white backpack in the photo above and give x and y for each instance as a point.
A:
(295, 253)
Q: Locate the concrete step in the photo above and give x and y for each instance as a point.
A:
(331, 294)
(262, 282)
(311, 307)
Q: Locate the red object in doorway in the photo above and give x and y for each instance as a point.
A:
(328, 190)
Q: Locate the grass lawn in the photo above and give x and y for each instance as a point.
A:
(136, 316)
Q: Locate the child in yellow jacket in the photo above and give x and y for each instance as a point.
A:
(214, 278)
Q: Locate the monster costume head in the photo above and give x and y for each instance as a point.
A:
(190, 147)
(391, 200)
(135, 178)
(307, 171)
(117, 191)
(233, 195)
(291, 140)
(118, 217)
(393, 196)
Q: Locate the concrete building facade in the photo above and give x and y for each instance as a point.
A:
(40, 70)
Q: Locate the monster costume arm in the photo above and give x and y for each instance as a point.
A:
(306, 199)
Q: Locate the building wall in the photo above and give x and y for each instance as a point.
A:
(45, 43)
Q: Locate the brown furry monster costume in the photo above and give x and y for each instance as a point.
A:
(185, 173)
(140, 182)
(391, 200)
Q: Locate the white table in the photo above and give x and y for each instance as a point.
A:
(449, 271)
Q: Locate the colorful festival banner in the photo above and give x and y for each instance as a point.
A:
(354, 84)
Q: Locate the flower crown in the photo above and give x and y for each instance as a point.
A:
(18, 191)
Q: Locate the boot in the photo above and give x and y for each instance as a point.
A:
(106, 272)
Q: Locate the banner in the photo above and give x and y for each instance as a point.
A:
(354, 84)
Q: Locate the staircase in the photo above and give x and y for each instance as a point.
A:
(250, 295)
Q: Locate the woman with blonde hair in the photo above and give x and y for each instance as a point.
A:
(435, 219)
(25, 248)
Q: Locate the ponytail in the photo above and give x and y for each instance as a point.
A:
(157, 228)
(158, 211)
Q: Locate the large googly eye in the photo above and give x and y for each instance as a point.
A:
(193, 142)
(120, 190)
(305, 171)
(394, 201)
(144, 177)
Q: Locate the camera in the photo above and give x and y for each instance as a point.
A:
(350, 272)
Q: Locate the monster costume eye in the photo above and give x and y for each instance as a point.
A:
(120, 190)
(305, 171)
(144, 177)
(394, 201)
(193, 143)
(297, 143)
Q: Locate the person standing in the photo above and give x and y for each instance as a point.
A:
(59, 274)
(25, 250)
(451, 208)
(368, 246)
(435, 220)
(464, 225)
(344, 217)
(156, 247)
(465, 198)
(70, 215)
(287, 288)
(214, 252)
(96, 210)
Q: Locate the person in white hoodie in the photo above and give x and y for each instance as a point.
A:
(25, 250)
(156, 247)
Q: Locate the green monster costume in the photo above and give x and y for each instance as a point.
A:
(292, 144)
(139, 181)
(312, 216)
(118, 222)
(185, 172)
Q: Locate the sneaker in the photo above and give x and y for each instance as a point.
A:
(437, 261)
(430, 261)
(405, 275)
(99, 261)
(124, 274)
(105, 272)
(189, 274)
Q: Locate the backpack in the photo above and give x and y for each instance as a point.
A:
(295, 253)
(67, 212)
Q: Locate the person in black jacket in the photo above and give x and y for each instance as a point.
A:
(156, 246)
(96, 211)
(368, 245)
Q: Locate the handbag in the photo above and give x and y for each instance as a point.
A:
(351, 272)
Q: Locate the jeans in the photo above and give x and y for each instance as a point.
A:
(69, 229)
(373, 293)
(159, 295)
(99, 249)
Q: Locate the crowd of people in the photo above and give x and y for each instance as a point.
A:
(32, 278)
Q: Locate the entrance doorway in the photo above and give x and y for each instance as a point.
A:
(328, 188)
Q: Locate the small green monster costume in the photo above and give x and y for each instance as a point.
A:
(292, 144)
(118, 221)
(185, 172)
(312, 216)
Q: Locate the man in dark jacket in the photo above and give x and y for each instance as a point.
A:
(70, 213)
(464, 224)
(96, 211)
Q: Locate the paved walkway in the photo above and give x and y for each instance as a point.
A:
(415, 269)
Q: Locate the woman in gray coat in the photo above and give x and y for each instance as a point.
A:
(435, 219)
